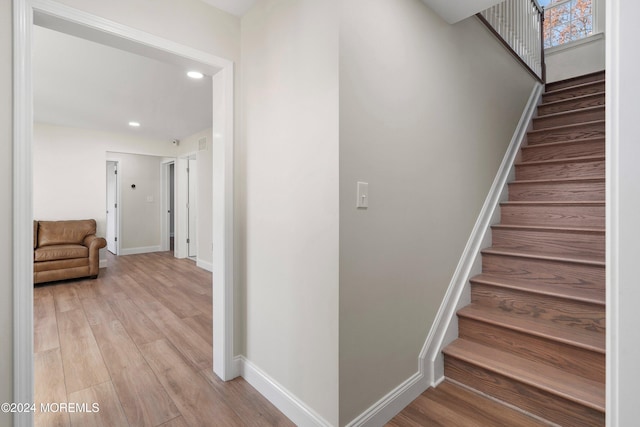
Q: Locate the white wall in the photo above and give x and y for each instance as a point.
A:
(578, 58)
(205, 192)
(6, 209)
(427, 110)
(139, 206)
(69, 173)
(623, 229)
(581, 56)
(290, 138)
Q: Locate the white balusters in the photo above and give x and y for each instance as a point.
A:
(519, 23)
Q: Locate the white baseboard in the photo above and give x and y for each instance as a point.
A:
(296, 410)
(205, 265)
(103, 263)
(142, 250)
(395, 401)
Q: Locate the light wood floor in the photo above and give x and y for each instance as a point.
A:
(137, 341)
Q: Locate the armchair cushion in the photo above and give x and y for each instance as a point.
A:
(65, 232)
(52, 253)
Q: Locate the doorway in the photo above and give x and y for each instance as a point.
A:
(72, 21)
(112, 207)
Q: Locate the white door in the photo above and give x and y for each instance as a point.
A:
(112, 207)
(192, 208)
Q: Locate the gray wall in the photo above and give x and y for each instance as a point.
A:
(426, 113)
(290, 148)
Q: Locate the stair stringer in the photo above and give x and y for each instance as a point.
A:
(445, 326)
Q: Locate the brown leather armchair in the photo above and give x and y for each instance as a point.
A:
(65, 250)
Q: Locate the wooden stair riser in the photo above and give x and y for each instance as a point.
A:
(590, 317)
(559, 170)
(531, 399)
(571, 104)
(576, 360)
(562, 275)
(566, 215)
(564, 150)
(585, 244)
(588, 191)
(587, 89)
(576, 81)
(572, 117)
(567, 133)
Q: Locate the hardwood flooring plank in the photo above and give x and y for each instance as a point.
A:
(110, 413)
(171, 298)
(97, 311)
(202, 325)
(251, 406)
(176, 422)
(196, 350)
(144, 399)
(81, 357)
(65, 297)
(89, 289)
(118, 350)
(139, 327)
(199, 404)
(49, 388)
(45, 326)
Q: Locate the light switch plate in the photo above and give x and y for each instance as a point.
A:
(363, 195)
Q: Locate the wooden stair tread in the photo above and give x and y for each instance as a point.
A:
(556, 180)
(542, 256)
(558, 291)
(573, 81)
(551, 203)
(576, 337)
(548, 228)
(556, 161)
(578, 86)
(480, 410)
(567, 126)
(560, 143)
(569, 112)
(555, 381)
(575, 98)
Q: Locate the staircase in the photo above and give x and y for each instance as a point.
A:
(533, 336)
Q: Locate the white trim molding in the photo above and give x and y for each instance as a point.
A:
(23, 378)
(140, 250)
(54, 15)
(290, 405)
(444, 329)
(205, 265)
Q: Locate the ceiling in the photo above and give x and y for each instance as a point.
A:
(80, 83)
(457, 10)
(235, 7)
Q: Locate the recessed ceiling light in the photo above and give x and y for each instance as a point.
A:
(134, 124)
(195, 74)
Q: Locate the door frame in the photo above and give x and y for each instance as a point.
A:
(117, 230)
(57, 16)
(165, 203)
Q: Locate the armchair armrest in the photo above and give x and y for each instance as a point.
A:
(94, 243)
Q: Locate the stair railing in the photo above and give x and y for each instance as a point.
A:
(518, 24)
